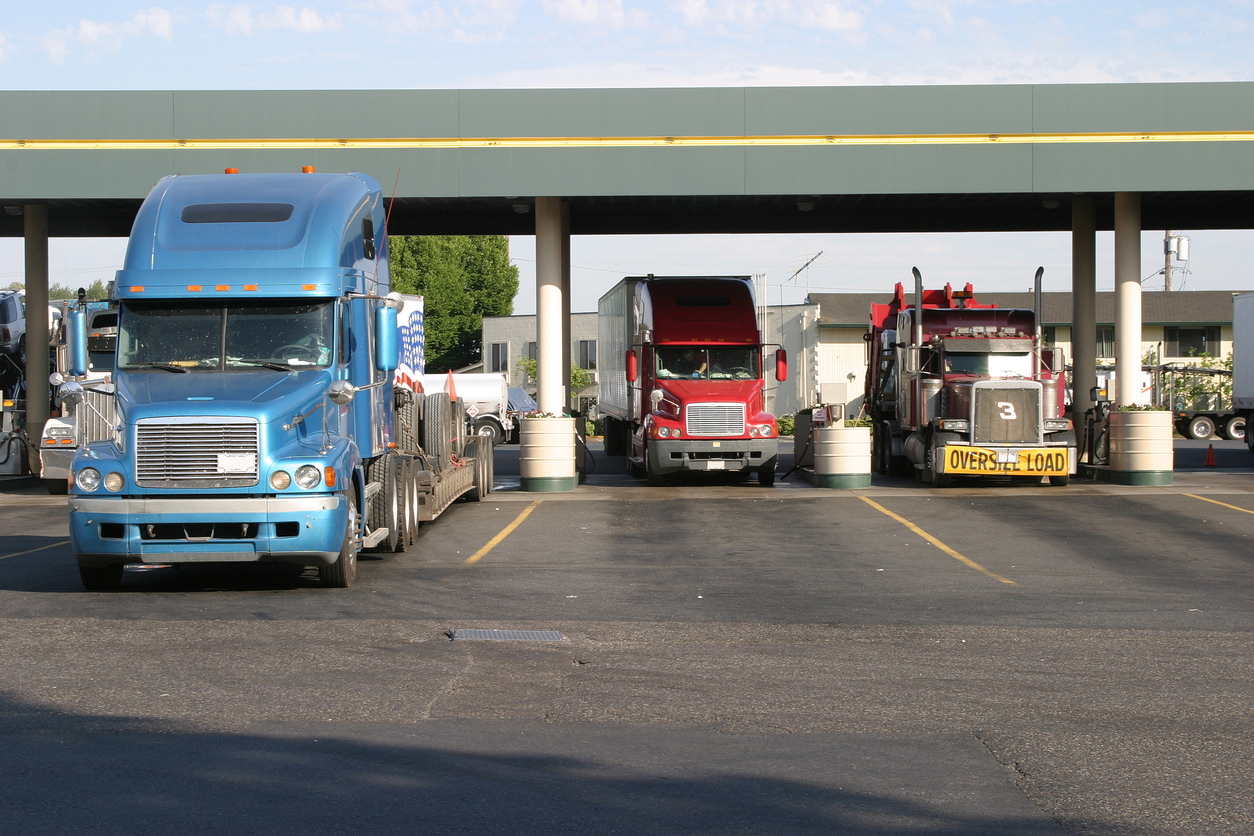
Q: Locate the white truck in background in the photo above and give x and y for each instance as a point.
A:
(486, 397)
(92, 418)
(1243, 360)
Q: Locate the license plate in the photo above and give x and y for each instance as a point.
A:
(1032, 462)
(716, 464)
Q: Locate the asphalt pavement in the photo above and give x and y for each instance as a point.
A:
(992, 658)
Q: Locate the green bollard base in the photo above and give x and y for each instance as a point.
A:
(550, 484)
(842, 481)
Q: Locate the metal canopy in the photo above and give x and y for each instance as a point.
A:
(741, 160)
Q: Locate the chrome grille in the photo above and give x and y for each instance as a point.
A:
(96, 416)
(1006, 413)
(196, 453)
(714, 419)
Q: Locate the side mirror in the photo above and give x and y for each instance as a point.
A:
(76, 340)
(386, 339)
(633, 370)
(781, 364)
(341, 392)
(70, 394)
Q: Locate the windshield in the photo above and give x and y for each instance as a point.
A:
(205, 336)
(707, 363)
(990, 365)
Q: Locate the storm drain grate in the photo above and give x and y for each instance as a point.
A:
(507, 635)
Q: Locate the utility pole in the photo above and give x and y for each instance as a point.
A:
(1168, 249)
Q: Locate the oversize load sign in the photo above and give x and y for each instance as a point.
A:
(1022, 462)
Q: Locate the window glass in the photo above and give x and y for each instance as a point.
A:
(239, 335)
(707, 363)
(991, 365)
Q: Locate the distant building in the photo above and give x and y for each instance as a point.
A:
(1175, 326)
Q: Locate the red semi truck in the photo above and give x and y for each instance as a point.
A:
(957, 388)
(680, 380)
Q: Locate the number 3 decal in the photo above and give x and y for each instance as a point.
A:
(1007, 410)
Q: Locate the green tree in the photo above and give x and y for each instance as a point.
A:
(462, 279)
(580, 378)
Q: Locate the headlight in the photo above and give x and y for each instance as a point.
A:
(114, 482)
(280, 480)
(88, 479)
(663, 432)
(753, 432)
(675, 433)
(766, 432)
(307, 476)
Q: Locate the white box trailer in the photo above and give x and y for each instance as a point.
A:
(1243, 359)
(486, 397)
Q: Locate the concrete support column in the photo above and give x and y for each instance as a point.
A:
(570, 396)
(550, 390)
(37, 387)
(1127, 297)
(1083, 306)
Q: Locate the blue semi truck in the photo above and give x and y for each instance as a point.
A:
(260, 412)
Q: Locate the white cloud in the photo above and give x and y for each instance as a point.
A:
(108, 37)
(596, 13)
(240, 19)
(827, 15)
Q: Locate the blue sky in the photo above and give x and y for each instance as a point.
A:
(621, 43)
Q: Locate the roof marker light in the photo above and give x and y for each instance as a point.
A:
(193, 288)
(231, 171)
(137, 288)
(222, 287)
(250, 287)
(309, 287)
(306, 169)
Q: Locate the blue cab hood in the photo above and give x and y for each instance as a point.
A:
(264, 394)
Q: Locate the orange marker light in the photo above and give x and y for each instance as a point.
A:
(329, 475)
(222, 287)
(137, 288)
(250, 287)
(231, 171)
(194, 288)
(306, 169)
(309, 287)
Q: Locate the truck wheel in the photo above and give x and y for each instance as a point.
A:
(654, 479)
(474, 450)
(342, 573)
(1235, 428)
(101, 578)
(766, 472)
(436, 433)
(1060, 481)
(489, 429)
(385, 507)
(60, 487)
(881, 453)
(1201, 428)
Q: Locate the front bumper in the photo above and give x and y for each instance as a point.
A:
(710, 455)
(306, 531)
(54, 462)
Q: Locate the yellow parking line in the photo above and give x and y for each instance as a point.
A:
(496, 541)
(1217, 502)
(937, 543)
(39, 549)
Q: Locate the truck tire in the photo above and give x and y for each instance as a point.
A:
(1235, 428)
(489, 429)
(60, 487)
(1060, 481)
(766, 472)
(942, 480)
(652, 477)
(473, 451)
(615, 437)
(436, 432)
(1201, 427)
(101, 578)
(342, 573)
(386, 510)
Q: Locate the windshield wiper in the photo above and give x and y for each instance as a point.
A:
(169, 367)
(278, 367)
